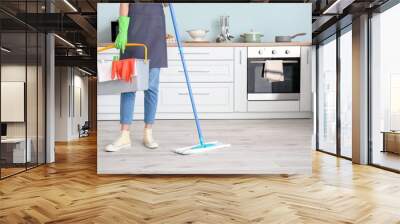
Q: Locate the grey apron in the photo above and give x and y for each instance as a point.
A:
(147, 25)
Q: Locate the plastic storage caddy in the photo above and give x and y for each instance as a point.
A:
(109, 86)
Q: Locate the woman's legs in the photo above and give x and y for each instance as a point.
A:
(126, 109)
(151, 97)
(150, 102)
(150, 107)
(126, 113)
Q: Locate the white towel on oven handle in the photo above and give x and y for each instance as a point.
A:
(273, 70)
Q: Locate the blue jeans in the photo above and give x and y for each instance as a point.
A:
(150, 100)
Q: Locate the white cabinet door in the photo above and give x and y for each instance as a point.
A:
(305, 80)
(109, 104)
(202, 53)
(209, 97)
(240, 84)
(199, 71)
(174, 98)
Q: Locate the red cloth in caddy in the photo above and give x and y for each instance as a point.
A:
(123, 70)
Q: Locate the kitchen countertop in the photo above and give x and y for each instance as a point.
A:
(233, 44)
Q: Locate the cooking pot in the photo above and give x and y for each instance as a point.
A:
(287, 38)
(252, 37)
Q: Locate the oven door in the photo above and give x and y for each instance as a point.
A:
(260, 88)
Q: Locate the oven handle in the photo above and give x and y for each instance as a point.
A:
(284, 61)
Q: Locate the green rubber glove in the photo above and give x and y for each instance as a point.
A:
(122, 38)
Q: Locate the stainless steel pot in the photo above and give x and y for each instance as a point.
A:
(288, 38)
(252, 37)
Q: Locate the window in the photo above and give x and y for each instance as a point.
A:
(327, 96)
(22, 78)
(335, 74)
(385, 90)
(346, 75)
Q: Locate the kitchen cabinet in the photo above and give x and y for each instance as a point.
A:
(209, 97)
(211, 73)
(173, 97)
(201, 53)
(199, 71)
(219, 81)
(240, 83)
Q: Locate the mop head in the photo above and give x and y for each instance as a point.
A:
(197, 149)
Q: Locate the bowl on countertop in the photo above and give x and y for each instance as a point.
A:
(197, 34)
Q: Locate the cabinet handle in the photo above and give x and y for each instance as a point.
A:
(284, 61)
(205, 71)
(195, 94)
(200, 53)
(240, 55)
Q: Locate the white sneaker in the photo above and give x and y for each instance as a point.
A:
(123, 142)
(148, 140)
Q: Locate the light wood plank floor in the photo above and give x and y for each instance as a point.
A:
(258, 147)
(70, 191)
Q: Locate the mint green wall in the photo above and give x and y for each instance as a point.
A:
(268, 18)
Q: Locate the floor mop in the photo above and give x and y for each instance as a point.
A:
(202, 146)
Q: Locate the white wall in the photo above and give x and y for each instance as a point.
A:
(33, 126)
(16, 73)
(79, 115)
(293, 18)
(62, 81)
(70, 83)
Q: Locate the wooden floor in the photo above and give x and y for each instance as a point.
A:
(5, 172)
(70, 191)
(257, 147)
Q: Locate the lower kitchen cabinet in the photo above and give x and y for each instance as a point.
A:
(209, 97)
(174, 98)
(201, 53)
(199, 71)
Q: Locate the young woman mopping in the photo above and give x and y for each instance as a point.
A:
(141, 23)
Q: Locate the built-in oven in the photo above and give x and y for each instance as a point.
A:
(273, 73)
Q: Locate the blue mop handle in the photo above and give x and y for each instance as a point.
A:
(178, 40)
